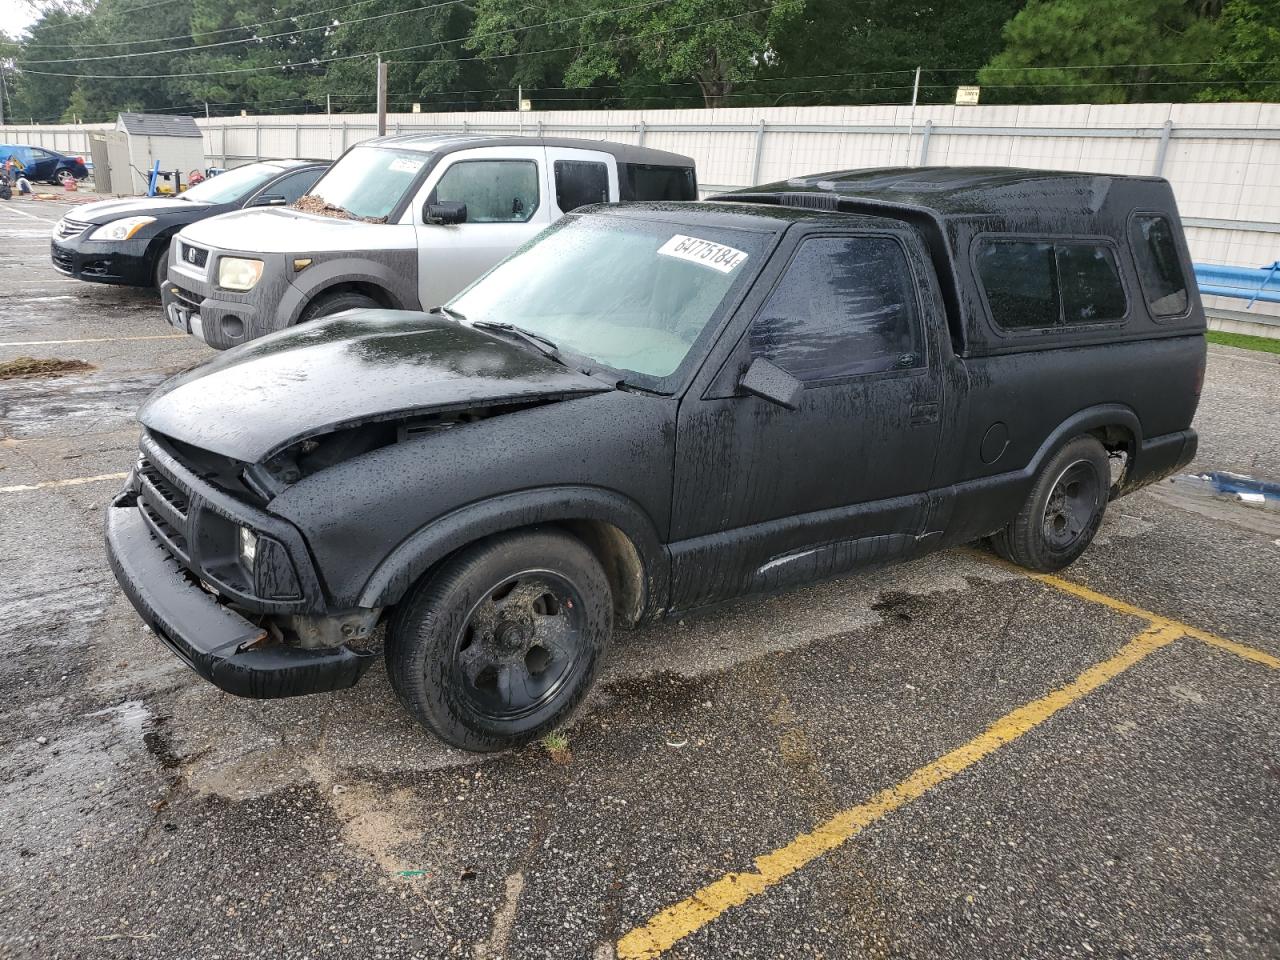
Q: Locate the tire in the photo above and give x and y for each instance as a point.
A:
(1063, 511)
(160, 271)
(63, 175)
(332, 303)
(503, 642)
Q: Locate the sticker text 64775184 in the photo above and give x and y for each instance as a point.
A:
(714, 255)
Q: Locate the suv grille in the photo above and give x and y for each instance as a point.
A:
(68, 228)
(196, 256)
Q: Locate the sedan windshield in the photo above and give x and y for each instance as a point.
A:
(232, 185)
(369, 182)
(633, 295)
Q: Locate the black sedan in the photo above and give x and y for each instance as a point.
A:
(127, 241)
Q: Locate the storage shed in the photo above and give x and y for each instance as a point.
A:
(175, 141)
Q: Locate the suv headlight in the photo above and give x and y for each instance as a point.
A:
(121, 229)
(237, 273)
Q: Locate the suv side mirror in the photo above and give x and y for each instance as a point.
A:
(269, 200)
(444, 211)
(768, 381)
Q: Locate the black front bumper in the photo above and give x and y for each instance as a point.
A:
(211, 638)
(126, 263)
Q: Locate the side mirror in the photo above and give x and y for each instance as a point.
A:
(768, 381)
(444, 211)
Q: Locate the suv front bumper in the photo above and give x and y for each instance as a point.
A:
(194, 304)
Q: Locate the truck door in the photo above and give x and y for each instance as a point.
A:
(766, 496)
(508, 200)
(580, 177)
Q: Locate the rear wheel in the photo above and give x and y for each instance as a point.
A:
(1063, 512)
(332, 303)
(504, 641)
(64, 176)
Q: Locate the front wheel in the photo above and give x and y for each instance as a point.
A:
(1063, 512)
(332, 303)
(160, 272)
(504, 641)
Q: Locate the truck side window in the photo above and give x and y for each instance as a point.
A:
(1159, 270)
(1090, 284)
(580, 182)
(1021, 283)
(1038, 285)
(650, 181)
(845, 306)
(495, 191)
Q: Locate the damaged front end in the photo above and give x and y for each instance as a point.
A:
(227, 586)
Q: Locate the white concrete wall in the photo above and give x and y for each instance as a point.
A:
(1222, 159)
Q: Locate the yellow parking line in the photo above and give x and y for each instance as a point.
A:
(1085, 593)
(73, 482)
(677, 922)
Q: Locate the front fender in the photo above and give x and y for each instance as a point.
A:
(394, 271)
(432, 543)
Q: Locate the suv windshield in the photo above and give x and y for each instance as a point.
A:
(233, 184)
(634, 295)
(369, 182)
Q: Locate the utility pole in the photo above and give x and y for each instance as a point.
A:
(206, 109)
(382, 97)
(911, 126)
(1, 98)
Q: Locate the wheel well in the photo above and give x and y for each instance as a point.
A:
(621, 562)
(1120, 444)
(371, 290)
(617, 554)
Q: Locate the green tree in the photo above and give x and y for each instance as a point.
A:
(715, 44)
(1248, 55)
(1100, 51)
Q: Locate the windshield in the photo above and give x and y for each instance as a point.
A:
(634, 295)
(369, 182)
(233, 184)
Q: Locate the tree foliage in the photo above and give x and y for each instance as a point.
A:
(88, 59)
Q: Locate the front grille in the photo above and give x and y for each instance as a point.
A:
(196, 256)
(68, 228)
(163, 503)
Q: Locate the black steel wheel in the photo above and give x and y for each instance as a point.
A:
(1063, 511)
(504, 641)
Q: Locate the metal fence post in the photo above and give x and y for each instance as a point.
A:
(924, 143)
(297, 139)
(344, 135)
(257, 140)
(758, 157)
(642, 131)
(1163, 148)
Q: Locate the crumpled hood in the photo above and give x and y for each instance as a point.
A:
(104, 211)
(363, 365)
(277, 230)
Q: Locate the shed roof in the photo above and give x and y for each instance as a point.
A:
(155, 125)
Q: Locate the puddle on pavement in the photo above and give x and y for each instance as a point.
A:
(1242, 501)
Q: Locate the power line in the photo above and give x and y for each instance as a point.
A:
(360, 56)
(274, 36)
(208, 33)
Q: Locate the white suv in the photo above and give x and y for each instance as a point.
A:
(402, 222)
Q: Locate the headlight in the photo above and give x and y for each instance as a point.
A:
(121, 229)
(235, 273)
(248, 547)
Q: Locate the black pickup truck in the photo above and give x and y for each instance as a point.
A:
(656, 406)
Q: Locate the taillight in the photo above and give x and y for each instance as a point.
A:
(80, 160)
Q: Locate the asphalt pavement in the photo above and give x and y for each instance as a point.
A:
(944, 758)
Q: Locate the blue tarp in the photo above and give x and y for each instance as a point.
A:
(1242, 283)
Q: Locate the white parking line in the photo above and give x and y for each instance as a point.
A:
(29, 216)
(55, 343)
(77, 481)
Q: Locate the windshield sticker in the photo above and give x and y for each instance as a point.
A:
(405, 165)
(714, 255)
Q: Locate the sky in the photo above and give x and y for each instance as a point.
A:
(16, 16)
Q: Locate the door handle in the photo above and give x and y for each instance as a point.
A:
(923, 413)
